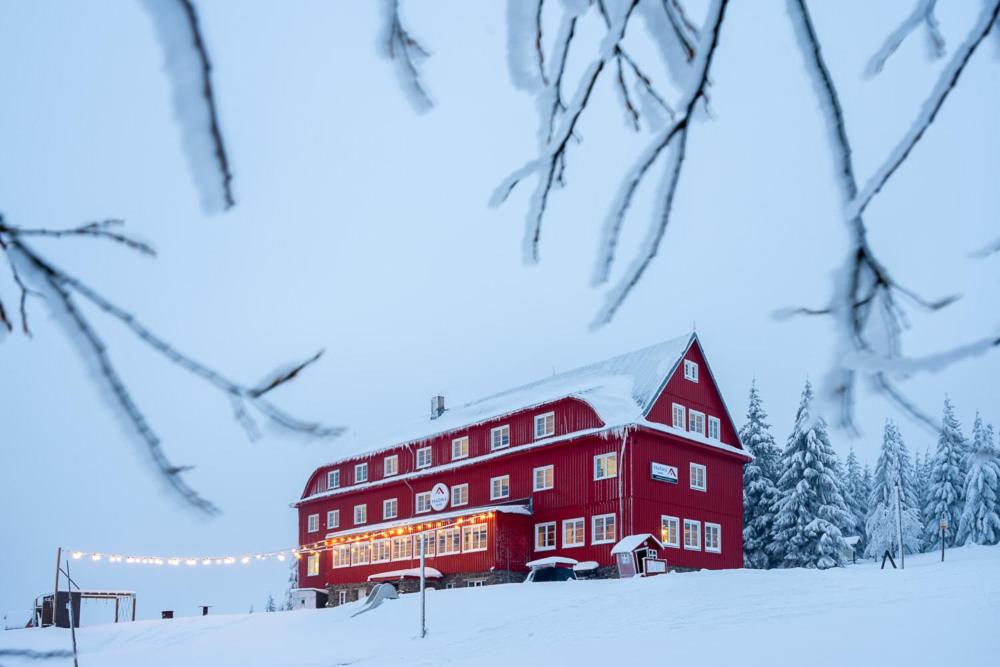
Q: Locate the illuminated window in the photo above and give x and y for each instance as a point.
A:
(692, 535)
(380, 551)
(670, 527)
(360, 553)
(602, 529)
(312, 565)
(574, 533)
(605, 466)
(430, 541)
(460, 448)
(545, 425)
(544, 478)
(474, 538)
(401, 547)
(449, 541)
(545, 536)
(341, 555)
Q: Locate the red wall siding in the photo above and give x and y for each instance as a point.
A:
(571, 415)
(703, 396)
(721, 503)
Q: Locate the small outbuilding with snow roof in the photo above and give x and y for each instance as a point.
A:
(639, 445)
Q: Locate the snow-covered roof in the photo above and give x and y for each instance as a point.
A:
(429, 573)
(551, 561)
(428, 518)
(630, 543)
(619, 389)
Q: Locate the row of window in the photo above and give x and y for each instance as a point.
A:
(543, 479)
(670, 527)
(545, 426)
(442, 542)
(603, 530)
(693, 421)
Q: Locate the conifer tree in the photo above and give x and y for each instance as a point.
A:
(892, 470)
(980, 522)
(811, 509)
(856, 497)
(760, 493)
(921, 489)
(946, 481)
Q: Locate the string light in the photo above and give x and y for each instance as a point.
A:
(311, 549)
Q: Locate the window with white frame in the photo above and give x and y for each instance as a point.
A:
(459, 495)
(692, 535)
(714, 428)
(544, 478)
(360, 473)
(474, 538)
(390, 465)
(545, 425)
(602, 529)
(341, 555)
(545, 536)
(699, 477)
(401, 547)
(360, 553)
(460, 448)
(312, 565)
(390, 508)
(670, 529)
(312, 523)
(380, 551)
(605, 466)
(430, 541)
(449, 541)
(499, 437)
(475, 583)
(333, 519)
(423, 502)
(690, 370)
(424, 457)
(679, 416)
(500, 487)
(333, 479)
(342, 597)
(574, 533)
(713, 538)
(696, 422)
(360, 514)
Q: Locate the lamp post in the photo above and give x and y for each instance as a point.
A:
(423, 595)
(899, 528)
(943, 525)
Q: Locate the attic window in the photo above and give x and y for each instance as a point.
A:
(714, 428)
(545, 425)
(690, 370)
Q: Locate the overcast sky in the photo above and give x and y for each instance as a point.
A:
(362, 228)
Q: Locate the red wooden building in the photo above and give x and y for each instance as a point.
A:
(566, 466)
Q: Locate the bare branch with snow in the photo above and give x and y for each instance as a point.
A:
(923, 14)
(406, 53)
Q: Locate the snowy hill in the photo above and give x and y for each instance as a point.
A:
(929, 614)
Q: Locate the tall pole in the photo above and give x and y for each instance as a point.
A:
(72, 616)
(423, 594)
(942, 525)
(55, 591)
(899, 529)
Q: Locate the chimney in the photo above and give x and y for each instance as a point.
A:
(437, 406)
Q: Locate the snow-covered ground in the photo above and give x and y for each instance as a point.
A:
(929, 614)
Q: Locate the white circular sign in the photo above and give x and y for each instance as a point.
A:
(439, 497)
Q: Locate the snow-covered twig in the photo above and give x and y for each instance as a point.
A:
(405, 51)
(677, 130)
(61, 288)
(98, 229)
(946, 83)
(190, 72)
(546, 166)
(923, 13)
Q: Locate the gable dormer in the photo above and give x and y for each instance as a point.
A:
(689, 395)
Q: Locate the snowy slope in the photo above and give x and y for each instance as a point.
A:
(930, 614)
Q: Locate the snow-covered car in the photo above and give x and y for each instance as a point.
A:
(553, 568)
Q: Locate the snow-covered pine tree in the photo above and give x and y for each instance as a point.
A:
(293, 583)
(921, 489)
(892, 469)
(270, 604)
(856, 497)
(944, 497)
(980, 522)
(760, 493)
(811, 510)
